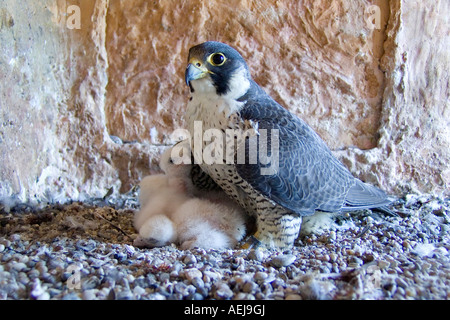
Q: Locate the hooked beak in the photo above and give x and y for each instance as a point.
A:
(195, 70)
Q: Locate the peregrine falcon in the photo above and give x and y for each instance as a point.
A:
(291, 173)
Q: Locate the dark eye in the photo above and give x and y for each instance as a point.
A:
(217, 59)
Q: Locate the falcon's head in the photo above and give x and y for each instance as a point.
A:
(214, 67)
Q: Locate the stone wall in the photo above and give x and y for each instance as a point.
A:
(92, 90)
(413, 153)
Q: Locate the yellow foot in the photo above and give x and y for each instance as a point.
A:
(251, 243)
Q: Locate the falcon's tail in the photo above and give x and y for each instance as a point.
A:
(365, 196)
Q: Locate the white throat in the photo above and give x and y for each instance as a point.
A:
(238, 85)
(209, 107)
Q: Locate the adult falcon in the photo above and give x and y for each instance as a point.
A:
(297, 177)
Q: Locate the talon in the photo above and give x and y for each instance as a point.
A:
(251, 243)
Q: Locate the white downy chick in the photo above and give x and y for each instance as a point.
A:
(212, 221)
(178, 175)
(157, 231)
(159, 199)
(205, 224)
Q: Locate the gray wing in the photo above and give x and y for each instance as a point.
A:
(309, 177)
(365, 196)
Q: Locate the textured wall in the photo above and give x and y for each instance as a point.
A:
(378, 94)
(319, 58)
(413, 151)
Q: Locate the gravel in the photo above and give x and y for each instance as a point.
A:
(84, 251)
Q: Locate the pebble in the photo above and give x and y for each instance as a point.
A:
(90, 283)
(401, 283)
(90, 294)
(355, 262)
(210, 276)
(190, 259)
(332, 236)
(198, 282)
(249, 287)
(283, 260)
(138, 291)
(190, 274)
(18, 266)
(333, 256)
(15, 237)
(41, 260)
(71, 296)
(260, 276)
(383, 264)
(157, 296)
(241, 296)
(38, 292)
(124, 295)
(223, 291)
(256, 254)
(88, 245)
(198, 296)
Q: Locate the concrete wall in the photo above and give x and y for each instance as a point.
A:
(371, 77)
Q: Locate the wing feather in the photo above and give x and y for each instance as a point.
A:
(309, 177)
